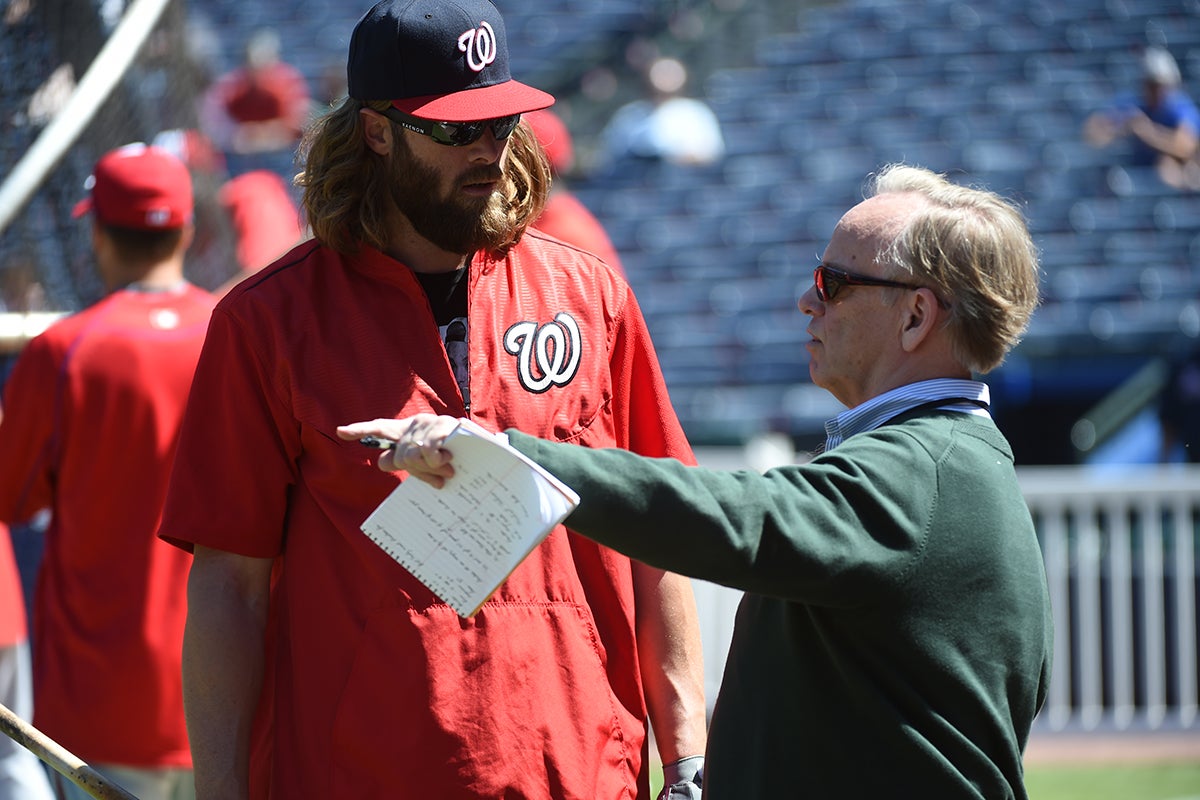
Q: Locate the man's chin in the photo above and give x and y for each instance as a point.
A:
(465, 225)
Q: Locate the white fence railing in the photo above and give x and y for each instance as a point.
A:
(1120, 552)
(1120, 546)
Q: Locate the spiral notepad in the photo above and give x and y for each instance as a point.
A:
(464, 539)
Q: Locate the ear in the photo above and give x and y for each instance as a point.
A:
(919, 318)
(98, 238)
(377, 131)
(189, 236)
(103, 256)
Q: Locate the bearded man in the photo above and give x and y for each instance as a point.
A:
(315, 666)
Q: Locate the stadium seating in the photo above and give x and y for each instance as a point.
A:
(989, 94)
(812, 99)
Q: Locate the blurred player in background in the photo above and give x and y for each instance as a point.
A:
(256, 113)
(266, 223)
(91, 417)
(564, 216)
(242, 223)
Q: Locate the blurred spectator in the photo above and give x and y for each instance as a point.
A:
(91, 414)
(21, 290)
(21, 293)
(266, 222)
(246, 221)
(331, 90)
(22, 776)
(1162, 125)
(210, 261)
(256, 113)
(665, 125)
(565, 217)
(1179, 411)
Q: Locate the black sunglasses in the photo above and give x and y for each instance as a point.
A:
(829, 281)
(454, 134)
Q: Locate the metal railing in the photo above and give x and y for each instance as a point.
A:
(1120, 548)
(1120, 552)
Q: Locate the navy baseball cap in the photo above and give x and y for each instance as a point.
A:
(445, 60)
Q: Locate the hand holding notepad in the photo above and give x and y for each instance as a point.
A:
(464, 539)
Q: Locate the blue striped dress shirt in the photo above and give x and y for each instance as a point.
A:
(968, 397)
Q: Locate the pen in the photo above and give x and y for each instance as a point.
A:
(377, 442)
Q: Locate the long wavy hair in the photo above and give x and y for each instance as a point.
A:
(346, 196)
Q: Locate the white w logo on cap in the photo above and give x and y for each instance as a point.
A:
(479, 45)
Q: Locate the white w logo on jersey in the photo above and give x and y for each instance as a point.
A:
(554, 348)
(479, 45)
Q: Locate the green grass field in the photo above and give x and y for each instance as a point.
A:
(1096, 782)
(1173, 781)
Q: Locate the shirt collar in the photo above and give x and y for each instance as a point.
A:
(966, 396)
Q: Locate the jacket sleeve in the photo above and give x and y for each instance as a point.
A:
(839, 531)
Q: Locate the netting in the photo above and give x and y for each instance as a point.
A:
(47, 48)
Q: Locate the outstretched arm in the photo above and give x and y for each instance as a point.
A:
(419, 444)
(668, 629)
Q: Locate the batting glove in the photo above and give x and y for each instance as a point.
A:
(683, 779)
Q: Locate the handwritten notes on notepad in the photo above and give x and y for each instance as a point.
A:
(464, 539)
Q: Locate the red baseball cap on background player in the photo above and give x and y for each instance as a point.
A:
(440, 60)
(140, 187)
(555, 138)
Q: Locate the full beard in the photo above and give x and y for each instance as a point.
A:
(454, 224)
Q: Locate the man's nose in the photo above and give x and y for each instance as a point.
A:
(809, 302)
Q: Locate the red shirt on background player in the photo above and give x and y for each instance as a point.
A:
(256, 113)
(91, 416)
(565, 216)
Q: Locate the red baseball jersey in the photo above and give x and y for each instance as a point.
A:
(91, 418)
(266, 222)
(379, 688)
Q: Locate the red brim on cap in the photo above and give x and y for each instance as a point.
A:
(82, 207)
(486, 102)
